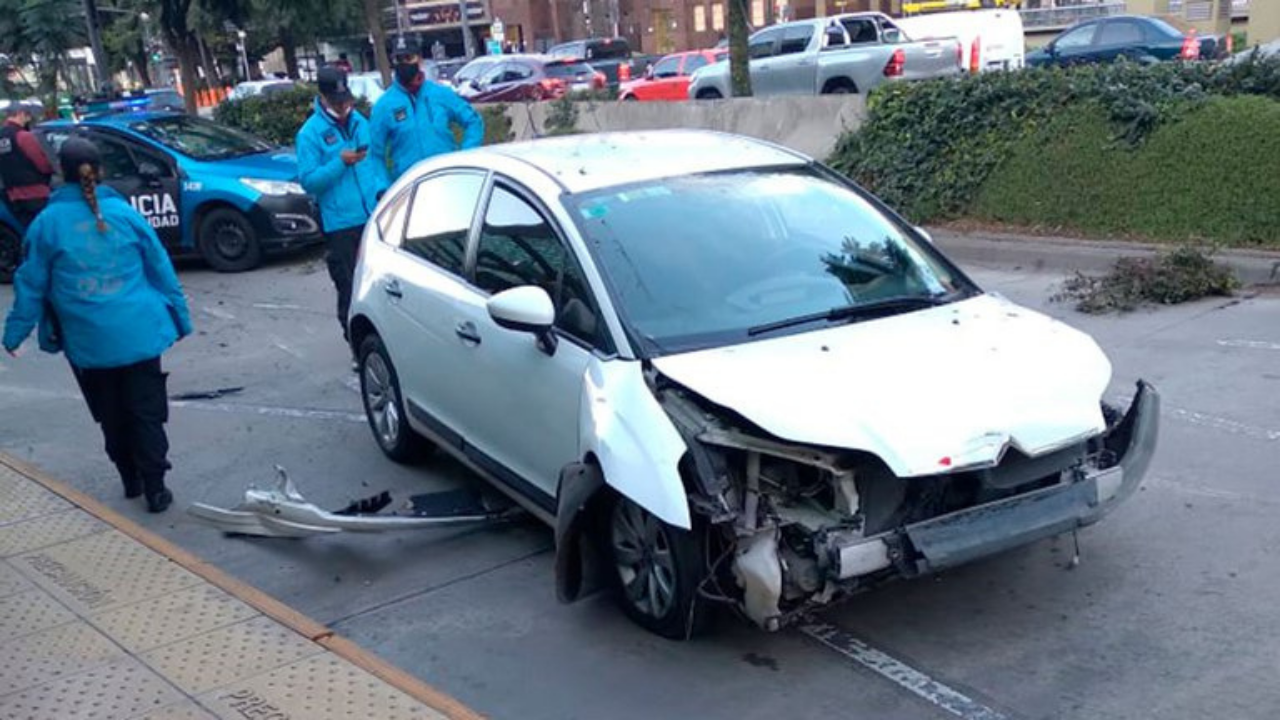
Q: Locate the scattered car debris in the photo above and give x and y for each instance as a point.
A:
(283, 512)
(208, 394)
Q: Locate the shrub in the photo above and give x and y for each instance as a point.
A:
(927, 148)
(1185, 274)
(562, 117)
(1213, 175)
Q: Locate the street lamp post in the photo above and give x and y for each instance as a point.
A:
(244, 54)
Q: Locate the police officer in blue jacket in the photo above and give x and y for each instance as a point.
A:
(333, 165)
(413, 120)
(100, 286)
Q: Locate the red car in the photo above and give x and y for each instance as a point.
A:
(668, 79)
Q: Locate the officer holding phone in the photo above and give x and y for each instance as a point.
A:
(333, 166)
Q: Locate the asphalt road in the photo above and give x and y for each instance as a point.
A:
(1171, 613)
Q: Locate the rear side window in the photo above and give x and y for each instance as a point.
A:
(440, 219)
(764, 44)
(861, 31)
(694, 62)
(391, 219)
(567, 69)
(1081, 37)
(1124, 32)
(795, 39)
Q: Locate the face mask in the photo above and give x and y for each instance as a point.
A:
(408, 74)
(339, 117)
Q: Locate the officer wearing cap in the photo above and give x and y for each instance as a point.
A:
(332, 151)
(413, 120)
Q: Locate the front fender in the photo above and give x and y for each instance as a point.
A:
(636, 444)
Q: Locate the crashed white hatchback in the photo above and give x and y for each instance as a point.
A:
(724, 374)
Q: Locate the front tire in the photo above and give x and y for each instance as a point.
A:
(10, 254)
(228, 242)
(384, 404)
(657, 571)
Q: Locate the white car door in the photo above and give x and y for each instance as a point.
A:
(520, 418)
(424, 290)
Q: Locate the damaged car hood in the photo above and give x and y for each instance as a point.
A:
(927, 392)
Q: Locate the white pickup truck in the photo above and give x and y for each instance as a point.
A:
(850, 53)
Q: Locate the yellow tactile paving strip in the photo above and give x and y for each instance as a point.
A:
(101, 620)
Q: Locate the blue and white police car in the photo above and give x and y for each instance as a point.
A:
(209, 191)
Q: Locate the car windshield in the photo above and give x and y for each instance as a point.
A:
(567, 69)
(200, 139)
(707, 260)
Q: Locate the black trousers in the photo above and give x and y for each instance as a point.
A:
(342, 248)
(24, 211)
(131, 405)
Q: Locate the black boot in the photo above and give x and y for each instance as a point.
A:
(159, 502)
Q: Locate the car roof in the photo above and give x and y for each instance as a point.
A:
(582, 163)
(119, 118)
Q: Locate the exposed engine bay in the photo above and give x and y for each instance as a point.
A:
(800, 526)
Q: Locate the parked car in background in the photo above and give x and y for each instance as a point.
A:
(446, 69)
(165, 99)
(530, 78)
(850, 53)
(709, 364)
(990, 39)
(611, 56)
(253, 88)
(668, 79)
(1131, 37)
(366, 85)
(471, 70)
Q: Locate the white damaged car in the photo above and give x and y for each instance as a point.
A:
(724, 374)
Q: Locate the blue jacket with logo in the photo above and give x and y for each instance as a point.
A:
(347, 193)
(113, 294)
(413, 127)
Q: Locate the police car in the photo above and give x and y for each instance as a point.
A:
(209, 191)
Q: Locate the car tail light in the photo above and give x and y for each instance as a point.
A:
(975, 55)
(1231, 44)
(896, 64)
(1191, 47)
(624, 72)
(551, 87)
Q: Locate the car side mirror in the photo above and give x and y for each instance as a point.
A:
(526, 309)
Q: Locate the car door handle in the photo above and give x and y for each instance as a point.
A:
(392, 288)
(467, 331)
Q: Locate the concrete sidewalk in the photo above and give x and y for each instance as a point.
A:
(101, 619)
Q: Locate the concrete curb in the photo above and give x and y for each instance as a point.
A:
(1066, 255)
(255, 598)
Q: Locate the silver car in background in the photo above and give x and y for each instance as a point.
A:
(724, 374)
(850, 53)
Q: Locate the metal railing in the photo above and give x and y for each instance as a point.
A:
(1061, 17)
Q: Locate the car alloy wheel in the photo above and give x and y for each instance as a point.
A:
(642, 552)
(381, 399)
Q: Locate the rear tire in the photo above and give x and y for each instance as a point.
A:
(709, 94)
(384, 404)
(840, 87)
(656, 571)
(10, 253)
(228, 242)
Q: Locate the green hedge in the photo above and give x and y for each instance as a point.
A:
(278, 117)
(927, 148)
(1212, 175)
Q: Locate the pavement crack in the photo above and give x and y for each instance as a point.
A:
(335, 622)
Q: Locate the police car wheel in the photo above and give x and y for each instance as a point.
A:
(228, 242)
(10, 254)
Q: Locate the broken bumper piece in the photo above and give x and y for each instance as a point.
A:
(283, 512)
(991, 528)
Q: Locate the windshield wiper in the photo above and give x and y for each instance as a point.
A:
(874, 308)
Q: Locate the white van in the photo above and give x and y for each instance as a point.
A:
(992, 39)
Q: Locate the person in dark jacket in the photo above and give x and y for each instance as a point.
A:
(24, 167)
(333, 165)
(101, 287)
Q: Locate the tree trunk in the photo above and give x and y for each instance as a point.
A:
(373, 18)
(290, 48)
(142, 63)
(556, 36)
(188, 58)
(739, 58)
(206, 62)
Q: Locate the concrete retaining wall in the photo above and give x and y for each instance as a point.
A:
(807, 124)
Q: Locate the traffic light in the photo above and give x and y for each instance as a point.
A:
(156, 56)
